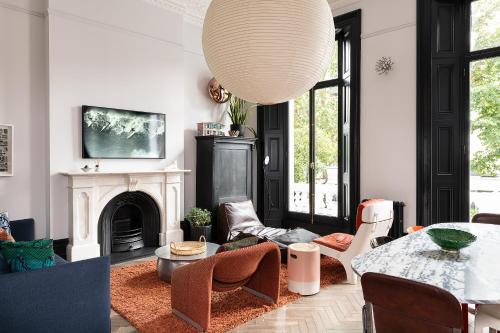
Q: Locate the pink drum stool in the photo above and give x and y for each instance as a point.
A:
(303, 268)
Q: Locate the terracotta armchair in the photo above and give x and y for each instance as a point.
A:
(255, 268)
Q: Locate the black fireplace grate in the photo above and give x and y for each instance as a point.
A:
(126, 235)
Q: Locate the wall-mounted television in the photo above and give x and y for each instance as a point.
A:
(115, 133)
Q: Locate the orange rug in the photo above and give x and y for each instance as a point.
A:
(140, 297)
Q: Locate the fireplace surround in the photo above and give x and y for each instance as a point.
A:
(91, 194)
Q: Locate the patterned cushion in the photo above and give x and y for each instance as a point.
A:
(4, 222)
(26, 256)
(239, 244)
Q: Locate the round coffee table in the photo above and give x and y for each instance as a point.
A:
(168, 262)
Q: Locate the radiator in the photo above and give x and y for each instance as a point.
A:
(397, 225)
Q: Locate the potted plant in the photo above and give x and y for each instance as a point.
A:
(200, 221)
(238, 112)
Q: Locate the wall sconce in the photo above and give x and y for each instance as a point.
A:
(384, 65)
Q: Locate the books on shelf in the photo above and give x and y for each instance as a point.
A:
(205, 129)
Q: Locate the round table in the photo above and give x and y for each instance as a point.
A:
(472, 275)
(168, 262)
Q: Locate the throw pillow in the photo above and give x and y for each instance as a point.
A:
(5, 236)
(241, 215)
(4, 222)
(26, 256)
(239, 244)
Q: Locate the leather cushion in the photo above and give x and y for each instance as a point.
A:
(337, 241)
(241, 215)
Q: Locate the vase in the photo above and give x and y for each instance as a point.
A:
(197, 231)
(238, 127)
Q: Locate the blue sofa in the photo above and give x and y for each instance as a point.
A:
(69, 297)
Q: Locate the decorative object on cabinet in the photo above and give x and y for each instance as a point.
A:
(225, 166)
(234, 133)
(86, 168)
(237, 109)
(286, 53)
(384, 65)
(201, 224)
(6, 153)
(207, 129)
(217, 92)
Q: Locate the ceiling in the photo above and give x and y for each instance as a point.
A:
(194, 10)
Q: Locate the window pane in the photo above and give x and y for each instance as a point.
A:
(485, 24)
(485, 136)
(333, 71)
(298, 152)
(326, 150)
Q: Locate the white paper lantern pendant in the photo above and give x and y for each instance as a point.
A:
(268, 51)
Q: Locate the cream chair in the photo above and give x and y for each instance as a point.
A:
(374, 219)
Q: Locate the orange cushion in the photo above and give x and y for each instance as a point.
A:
(5, 236)
(413, 229)
(359, 212)
(338, 241)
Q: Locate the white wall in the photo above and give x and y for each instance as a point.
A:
(105, 53)
(199, 107)
(388, 103)
(93, 52)
(23, 104)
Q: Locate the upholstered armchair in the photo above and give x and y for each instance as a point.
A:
(255, 268)
(374, 219)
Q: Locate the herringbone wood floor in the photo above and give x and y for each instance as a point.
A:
(336, 309)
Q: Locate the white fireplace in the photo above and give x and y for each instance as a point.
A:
(90, 192)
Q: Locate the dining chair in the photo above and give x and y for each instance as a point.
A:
(400, 305)
(487, 218)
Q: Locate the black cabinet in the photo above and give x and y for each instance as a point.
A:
(224, 171)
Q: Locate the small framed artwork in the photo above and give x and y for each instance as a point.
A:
(6, 155)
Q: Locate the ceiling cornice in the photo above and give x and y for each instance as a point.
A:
(192, 10)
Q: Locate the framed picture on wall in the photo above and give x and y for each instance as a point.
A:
(6, 155)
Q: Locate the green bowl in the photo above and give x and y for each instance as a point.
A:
(451, 239)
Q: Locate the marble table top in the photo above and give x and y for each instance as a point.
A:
(471, 275)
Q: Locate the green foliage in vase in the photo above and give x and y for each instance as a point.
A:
(199, 217)
(485, 89)
(237, 109)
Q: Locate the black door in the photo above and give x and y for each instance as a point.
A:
(271, 163)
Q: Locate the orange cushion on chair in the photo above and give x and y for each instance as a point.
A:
(338, 241)
(361, 206)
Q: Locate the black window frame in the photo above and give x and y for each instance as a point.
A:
(348, 30)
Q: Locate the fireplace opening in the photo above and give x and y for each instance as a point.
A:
(129, 227)
(126, 231)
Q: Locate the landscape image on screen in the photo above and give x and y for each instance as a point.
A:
(110, 133)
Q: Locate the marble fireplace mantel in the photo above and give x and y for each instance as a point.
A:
(90, 192)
